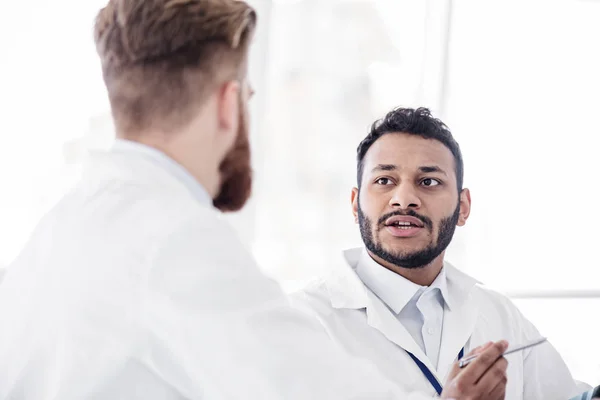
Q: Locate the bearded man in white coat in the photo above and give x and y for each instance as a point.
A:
(396, 302)
(132, 287)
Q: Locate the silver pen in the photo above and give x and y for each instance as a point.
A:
(465, 361)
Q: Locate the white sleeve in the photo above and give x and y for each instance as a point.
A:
(545, 372)
(219, 329)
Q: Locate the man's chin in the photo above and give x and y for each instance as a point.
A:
(406, 246)
(406, 252)
(234, 193)
(401, 256)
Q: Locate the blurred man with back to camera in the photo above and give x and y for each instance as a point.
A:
(395, 301)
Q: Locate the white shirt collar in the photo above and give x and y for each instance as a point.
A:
(441, 282)
(167, 163)
(392, 288)
(347, 290)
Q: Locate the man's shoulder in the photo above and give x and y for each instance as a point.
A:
(202, 244)
(496, 307)
(488, 294)
(118, 225)
(314, 288)
(136, 180)
(135, 201)
(317, 298)
(314, 293)
(479, 292)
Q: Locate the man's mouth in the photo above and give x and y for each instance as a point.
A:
(404, 226)
(404, 222)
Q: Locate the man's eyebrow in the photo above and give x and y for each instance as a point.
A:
(384, 167)
(431, 168)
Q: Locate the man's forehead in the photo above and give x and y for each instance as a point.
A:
(409, 151)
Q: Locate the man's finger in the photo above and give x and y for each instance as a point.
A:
(499, 392)
(493, 376)
(475, 370)
(455, 370)
(479, 349)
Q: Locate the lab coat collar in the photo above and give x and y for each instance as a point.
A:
(347, 291)
(165, 162)
(136, 161)
(393, 289)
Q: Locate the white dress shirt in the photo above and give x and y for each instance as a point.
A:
(419, 308)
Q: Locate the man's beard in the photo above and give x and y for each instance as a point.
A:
(416, 259)
(236, 172)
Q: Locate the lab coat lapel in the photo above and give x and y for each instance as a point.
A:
(382, 319)
(347, 291)
(459, 320)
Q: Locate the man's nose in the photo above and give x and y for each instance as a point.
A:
(405, 197)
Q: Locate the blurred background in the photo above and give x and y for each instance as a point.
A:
(517, 81)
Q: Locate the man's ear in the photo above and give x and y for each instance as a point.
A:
(465, 207)
(228, 108)
(354, 201)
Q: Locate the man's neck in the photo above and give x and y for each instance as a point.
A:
(202, 168)
(423, 276)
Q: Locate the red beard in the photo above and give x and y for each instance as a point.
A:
(236, 173)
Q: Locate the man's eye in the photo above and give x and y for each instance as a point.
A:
(430, 182)
(383, 181)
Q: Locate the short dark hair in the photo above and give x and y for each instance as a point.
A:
(411, 121)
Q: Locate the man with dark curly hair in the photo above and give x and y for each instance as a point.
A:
(396, 301)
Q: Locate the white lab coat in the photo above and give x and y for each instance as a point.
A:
(131, 289)
(358, 321)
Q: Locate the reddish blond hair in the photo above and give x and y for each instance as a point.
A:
(161, 58)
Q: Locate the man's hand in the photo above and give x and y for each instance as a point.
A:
(483, 378)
